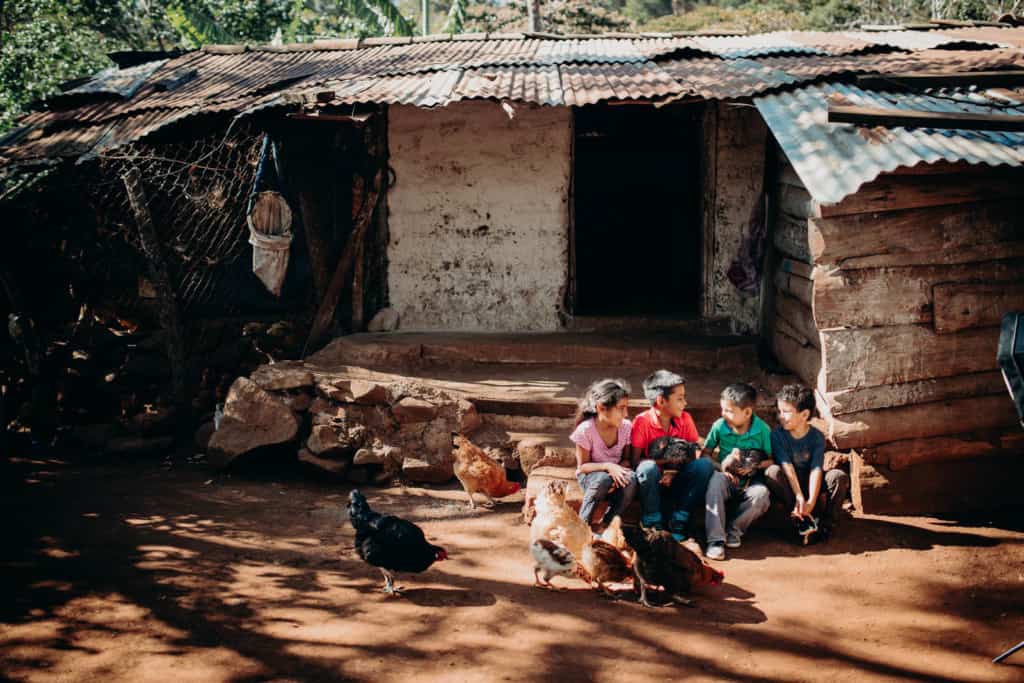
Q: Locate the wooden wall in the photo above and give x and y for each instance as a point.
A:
(889, 302)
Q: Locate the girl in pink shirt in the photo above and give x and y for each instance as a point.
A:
(602, 437)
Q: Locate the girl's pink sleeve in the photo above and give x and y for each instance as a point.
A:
(581, 435)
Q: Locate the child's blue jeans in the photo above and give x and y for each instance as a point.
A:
(686, 494)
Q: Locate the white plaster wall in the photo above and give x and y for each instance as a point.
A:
(741, 136)
(478, 217)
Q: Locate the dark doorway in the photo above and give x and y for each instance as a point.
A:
(637, 227)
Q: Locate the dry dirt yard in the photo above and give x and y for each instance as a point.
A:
(136, 572)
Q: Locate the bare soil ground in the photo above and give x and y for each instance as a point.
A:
(134, 572)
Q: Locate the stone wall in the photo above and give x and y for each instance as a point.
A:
(478, 216)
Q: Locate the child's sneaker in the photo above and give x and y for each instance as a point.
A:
(715, 551)
(732, 540)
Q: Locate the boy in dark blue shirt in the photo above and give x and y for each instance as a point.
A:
(799, 451)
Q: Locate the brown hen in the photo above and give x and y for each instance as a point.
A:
(478, 473)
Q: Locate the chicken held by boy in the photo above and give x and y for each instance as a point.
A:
(478, 473)
(390, 543)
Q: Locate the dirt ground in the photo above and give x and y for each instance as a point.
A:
(150, 572)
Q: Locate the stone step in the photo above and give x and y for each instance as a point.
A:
(649, 349)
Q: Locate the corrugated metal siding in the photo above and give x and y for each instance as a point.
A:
(834, 160)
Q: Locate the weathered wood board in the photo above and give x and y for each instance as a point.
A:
(923, 391)
(894, 192)
(873, 427)
(938, 234)
(963, 306)
(856, 358)
(873, 297)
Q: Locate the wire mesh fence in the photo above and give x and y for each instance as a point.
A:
(197, 192)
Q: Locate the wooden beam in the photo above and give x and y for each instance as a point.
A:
(804, 361)
(902, 454)
(856, 358)
(799, 316)
(873, 427)
(944, 79)
(796, 286)
(934, 234)
(905, 118)
(790, 236)
(167, 301)
(923, 391)
(894, 192)
(871, 297)
(360, 224)
(966, 305)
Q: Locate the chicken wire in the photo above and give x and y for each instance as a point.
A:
(197, 192)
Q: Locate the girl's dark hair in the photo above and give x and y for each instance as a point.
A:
(799, 396)
(603, 392)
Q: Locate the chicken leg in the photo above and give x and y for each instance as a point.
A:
(389, 583)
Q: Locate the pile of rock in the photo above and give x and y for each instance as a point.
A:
(362, 431)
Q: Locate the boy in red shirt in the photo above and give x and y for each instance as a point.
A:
(667, 416)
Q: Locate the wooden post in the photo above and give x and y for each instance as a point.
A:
(170, 318)
(318, 248)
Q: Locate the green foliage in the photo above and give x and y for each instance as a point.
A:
(645, 10)
(44, 43)
(456, 17)
(559, 16)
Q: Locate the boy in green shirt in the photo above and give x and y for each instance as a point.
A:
(736, 431)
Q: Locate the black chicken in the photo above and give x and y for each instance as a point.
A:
(675, 452)
(661, 561)
(390, 543)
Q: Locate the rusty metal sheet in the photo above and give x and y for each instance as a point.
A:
(590, 83)
(830, 42)
(754, 46)
(538, 85)
(422, 90)
(991, 35)
(595, 51)
(717, 79)
(834, 159)
(652, 48)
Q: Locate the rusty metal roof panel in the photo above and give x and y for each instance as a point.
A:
(834, 160)
(604, 51)
(810, 68)
(590, 83)
(716, 79)
(117, 82)
(538, 85)
(832, 43)
(914, 40)
(422, 90)
(754, 45)
(990, 35)
(652, 48)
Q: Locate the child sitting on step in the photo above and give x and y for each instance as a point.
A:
(740, 442)
(799, 479)
(602, 437)
(666, 392)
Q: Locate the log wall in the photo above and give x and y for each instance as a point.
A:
(889, 302)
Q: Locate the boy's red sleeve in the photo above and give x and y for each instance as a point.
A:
(689, 428)
(639, 437)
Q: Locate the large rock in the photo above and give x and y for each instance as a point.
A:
(416, 469)
(279, 377)
(410, 410)
(354, 391)
(327, 438)
(334, 468)
(389, 456)
(253, 418)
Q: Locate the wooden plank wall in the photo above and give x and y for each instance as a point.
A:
(888, 303)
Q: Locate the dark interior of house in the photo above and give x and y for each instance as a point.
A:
(637, 227)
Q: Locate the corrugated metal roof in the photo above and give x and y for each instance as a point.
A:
(755, 45)
(717, 79)
(834, 160)
(117, 82)
(537, 69)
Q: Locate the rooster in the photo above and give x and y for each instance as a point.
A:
(604, 563)
(613, 534)
(390, 543)
(478, 473)
(661, 561)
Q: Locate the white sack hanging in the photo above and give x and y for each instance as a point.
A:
(270, 235)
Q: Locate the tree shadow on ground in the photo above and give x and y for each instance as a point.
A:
(233, 565)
